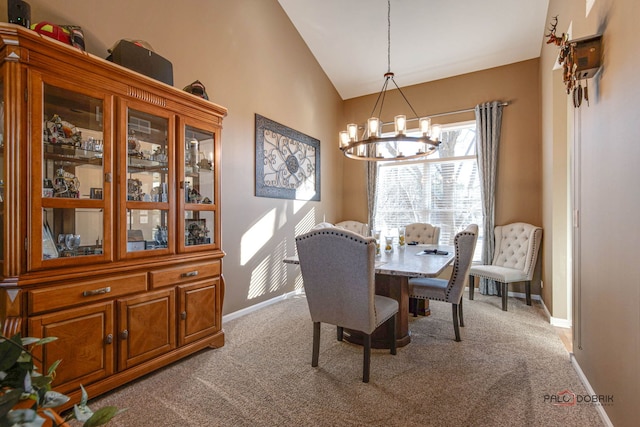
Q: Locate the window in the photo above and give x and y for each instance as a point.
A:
(443, 190)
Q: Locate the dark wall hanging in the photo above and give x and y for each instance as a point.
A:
(287, 162)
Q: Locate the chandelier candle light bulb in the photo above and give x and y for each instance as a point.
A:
(436, 130)
(425, 126)
(400, 122)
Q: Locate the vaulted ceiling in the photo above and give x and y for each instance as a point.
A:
(430, 39)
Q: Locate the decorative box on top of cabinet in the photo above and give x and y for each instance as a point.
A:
(109, 214)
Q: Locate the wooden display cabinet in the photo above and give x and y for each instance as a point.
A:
(109, 214)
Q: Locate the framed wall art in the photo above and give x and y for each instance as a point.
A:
(287, 162)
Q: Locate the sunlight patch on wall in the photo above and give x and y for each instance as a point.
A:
(270, 274)
(299, 285)
(257, 236)
(306, 223)
(589, 6)
(298, 204)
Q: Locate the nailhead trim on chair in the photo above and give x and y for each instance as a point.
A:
(366, 240)
(337, 232)
(454, 273)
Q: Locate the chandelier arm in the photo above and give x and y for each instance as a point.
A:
(382, 91)
(404, 97)
(384, 95)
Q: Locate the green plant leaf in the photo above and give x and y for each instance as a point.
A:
(29, 340)
(82, 413)
(25, 418)
(8, 400)
(52, 399)
(10, 351)
(84, 396)
(46, 340)
(53, 367)
(101, 416)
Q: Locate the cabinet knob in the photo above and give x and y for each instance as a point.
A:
(107, 177)
(124, 334)
(108, 339)
(183, 315)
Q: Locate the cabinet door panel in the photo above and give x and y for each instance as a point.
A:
(84, 344)
(198, 154)
(71, 173)
(199, 310)
(147, 327)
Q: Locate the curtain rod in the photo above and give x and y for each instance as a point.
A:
(448, 113)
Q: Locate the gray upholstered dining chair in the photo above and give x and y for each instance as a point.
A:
(355, 226)
(449, 290)
(338, 273)
(514, 259)
(422, 233)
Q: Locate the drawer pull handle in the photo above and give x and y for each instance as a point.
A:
(183, 315)
(109, 339)
(190, 274)
(124, 335)
(96, 292)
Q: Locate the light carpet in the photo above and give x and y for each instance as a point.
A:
(498, 375)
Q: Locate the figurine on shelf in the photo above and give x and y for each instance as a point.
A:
(134, 190)
(66, 184)
(194, 196)
(133, 146)
(204, 163)
(57, 131)
(159, 155)
(196, 232)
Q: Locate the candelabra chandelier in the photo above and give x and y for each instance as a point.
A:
(372, 146)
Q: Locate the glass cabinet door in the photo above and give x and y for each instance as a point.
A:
(2, 176)
(148, 182)
(73, 181)
(198, 161)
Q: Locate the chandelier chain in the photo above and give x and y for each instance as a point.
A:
(388, 36)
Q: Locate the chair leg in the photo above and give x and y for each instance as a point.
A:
(413, 306)
(460, 312)
(340, 332)
(527, 290)
(367, 358)
(392, 325)
(316, 344)
(471, 287)
(505, 294)
(456, 328)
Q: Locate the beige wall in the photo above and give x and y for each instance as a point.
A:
(251, 60)
(519, 182)
(603, 144)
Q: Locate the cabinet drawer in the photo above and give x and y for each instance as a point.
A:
(69, 294)
(184, 273)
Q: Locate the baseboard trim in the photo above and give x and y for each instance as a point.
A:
(554, 321)
(587, 385)
(255, 307)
